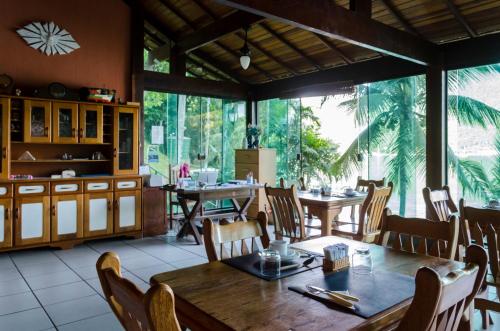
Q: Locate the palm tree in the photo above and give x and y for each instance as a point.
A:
(393, 114)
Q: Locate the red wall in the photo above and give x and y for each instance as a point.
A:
(101, 27)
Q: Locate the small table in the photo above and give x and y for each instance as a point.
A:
(201, 195)
(216, 296)
(326, 208)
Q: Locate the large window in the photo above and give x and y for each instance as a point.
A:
(474, 134)
(377, 130)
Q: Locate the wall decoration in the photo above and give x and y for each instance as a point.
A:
(48, 38)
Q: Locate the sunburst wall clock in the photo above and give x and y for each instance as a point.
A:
(48, 38)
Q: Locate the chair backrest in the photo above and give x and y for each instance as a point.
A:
(287, 212)
(173, 174)
(434, 238)
(370, 213)
(493, 251)
(475, 221)
(362, 184)
(440, 302)
(439, 203)
(153, 311)
(236, 235)
(302, 184)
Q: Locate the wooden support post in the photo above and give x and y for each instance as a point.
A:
(250, 111)
(436, 142)
(178, 63)
(361, 7)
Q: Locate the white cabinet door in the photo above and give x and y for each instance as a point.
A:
(67, 217)
(5, 223)
(127, 211)
(32, 220)
(98, 214)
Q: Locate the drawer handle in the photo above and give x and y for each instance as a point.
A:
(109, 205)
(6, 213)
(53, 210)
(117, 204)
(114, 152)
(16, 214)
(81, 133)
(73, 132)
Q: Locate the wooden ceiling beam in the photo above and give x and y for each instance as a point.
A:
(205, 9)
(362, 7)
(459, 17)
(333, 21)
(203, 65)
(216, 30)
(399, 17)
(347, 59)
(290, 45)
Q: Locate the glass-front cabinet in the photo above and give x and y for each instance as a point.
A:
(37, 118)
(65, 122)
(126, 141)
(91, 117)
(4, 136)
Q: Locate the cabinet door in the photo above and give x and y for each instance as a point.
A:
(32, 220)
(37, 119)
(65, 122)
(5, 223)
(126, 141)
(97, 214)
(4, 136)
(67, 217)
(127, 211)
(91, 124)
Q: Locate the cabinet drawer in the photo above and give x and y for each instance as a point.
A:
(5, 190)
(98, 185)
(128, 184)
(242, 170)
(32, 189)
(66, 187)
(247, 156)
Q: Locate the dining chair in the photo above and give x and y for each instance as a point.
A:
(362, 186)
(370, 215)
(152, 311)
(173, 176)
(439, 203)
(287, 211)
(432, 237)
(236, 235)
(444, 303)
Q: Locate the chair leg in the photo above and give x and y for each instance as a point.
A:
(486, 319)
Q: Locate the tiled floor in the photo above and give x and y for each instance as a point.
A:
(47, 289)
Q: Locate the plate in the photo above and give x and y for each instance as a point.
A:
(292, 255)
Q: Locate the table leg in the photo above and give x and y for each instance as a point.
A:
(189, 224)
(326, 217)
(242, 211)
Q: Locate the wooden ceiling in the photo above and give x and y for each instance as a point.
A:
(279, 51)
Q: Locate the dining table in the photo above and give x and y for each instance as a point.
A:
(327, 207)
(217, 296)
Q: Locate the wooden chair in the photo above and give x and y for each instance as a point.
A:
(236, 234)
(153, 311)
(362, 186)
(439, 203)
(370, 215)
(444, 303)
(287, 212)
(431, 235)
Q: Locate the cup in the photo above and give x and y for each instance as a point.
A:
(270, 263)
(279, 246)
(348, 191)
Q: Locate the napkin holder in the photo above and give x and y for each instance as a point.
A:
(336, 265)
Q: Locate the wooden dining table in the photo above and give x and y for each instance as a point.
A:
(326, 208)
(216, 296)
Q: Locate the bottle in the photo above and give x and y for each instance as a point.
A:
(250, 178)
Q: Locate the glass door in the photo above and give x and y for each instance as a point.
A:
(126, 141)
(91, 117)
(233, 135)
(4, 136)
(211, 135)
(65, 119)
(37, 121)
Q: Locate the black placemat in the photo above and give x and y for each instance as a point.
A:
(377, 292)
(251, 264)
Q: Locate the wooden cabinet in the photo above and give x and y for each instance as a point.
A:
(6, 223)
(66, 210)
(262, 162)
(91, 120)
(98, 208)
(5, 137)
(32, 220)
(37, 121)
(154, 211)
(126, 141)
(64, 122)
(127, 213)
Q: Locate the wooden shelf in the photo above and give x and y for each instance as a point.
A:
(22, 142)
(56, 160)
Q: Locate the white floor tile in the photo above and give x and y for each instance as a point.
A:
(5, 261)
(33, 257)
(106, 322)
(29, 320)
(82, 261)
(189, 262)
(36, 269)
(9, 273)
(79, 309)
(49, 280)
(56, 294)
(146, 273)
(13, 286)
(18, 302)
(96, 285)
(140, 262)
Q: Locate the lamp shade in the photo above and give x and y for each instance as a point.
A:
(245, 61)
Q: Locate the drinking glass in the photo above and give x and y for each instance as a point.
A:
(270, 263)
(362, 261)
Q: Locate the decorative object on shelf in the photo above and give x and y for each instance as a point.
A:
(48, 38)
(184, 171)
(245, 52)
(12, 177)
(97, 156)
(26, 156)
(18, 92)
(97, 94)
(6, 84)
(69, 173)
(67, 156)
(57, 90)
(253, 133)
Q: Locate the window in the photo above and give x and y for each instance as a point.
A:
(152, 63)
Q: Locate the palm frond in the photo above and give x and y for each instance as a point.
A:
(470, 174)
(472, 112)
